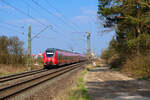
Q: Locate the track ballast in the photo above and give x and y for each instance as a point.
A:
(45, 75)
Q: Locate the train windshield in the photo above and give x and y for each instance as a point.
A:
(49, 54)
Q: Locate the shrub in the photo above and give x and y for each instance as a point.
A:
(141, 43)
(112, 58)
(116, 61)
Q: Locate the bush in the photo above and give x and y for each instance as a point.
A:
(106, 54)
(140, 44)
(116, 61)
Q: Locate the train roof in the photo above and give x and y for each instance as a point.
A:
(60, 50)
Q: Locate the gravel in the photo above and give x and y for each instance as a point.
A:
(50, 90)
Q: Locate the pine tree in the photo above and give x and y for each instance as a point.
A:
(132, 19)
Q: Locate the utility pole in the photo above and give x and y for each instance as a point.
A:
(29, 61)
(88, 44)
(29, 48)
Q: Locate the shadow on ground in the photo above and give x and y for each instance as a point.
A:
(99, 69)
(117, 89)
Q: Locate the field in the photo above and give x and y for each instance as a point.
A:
(12, 69)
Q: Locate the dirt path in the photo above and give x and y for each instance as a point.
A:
(103, 84)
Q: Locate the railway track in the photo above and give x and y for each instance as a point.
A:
(20, 75)
(44, 76)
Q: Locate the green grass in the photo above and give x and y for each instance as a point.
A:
(79, 92)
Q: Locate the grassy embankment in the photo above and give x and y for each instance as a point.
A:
(79, 92)
(137, 67)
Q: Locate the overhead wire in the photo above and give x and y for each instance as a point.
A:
(37, 11)
(9, 24)
(51, 13)
(62, 15)
(47, 1)
(73, 24)
(22, 12)
(44, 16)
(17, 9)
(11, 29)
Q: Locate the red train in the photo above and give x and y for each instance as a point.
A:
(57, 57)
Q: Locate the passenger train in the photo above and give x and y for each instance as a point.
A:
(56, 57)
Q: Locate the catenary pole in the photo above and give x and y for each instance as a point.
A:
(29, 62)
(29, 48)
(88, 44)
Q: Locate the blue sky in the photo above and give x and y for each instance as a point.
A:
(70, 19)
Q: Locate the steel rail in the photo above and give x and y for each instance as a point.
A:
(20, 75)
(18, 87)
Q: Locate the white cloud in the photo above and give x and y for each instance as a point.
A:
(58, 14)
(6, 7)
(87, 16)
(28, 21)
(82, 19)
(89, 12)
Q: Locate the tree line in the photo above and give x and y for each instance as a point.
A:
(11, 51)
(131, 43)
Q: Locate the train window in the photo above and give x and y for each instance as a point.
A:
(49, 54)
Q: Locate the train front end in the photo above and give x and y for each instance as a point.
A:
(49, 58)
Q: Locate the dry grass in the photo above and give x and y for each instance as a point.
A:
(100, 63)
(79, 92)
(90, 66)
(97, 63)
(138, 66)
(12, 69)
(75, 90)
